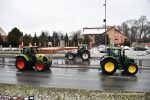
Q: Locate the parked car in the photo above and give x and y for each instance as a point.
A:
(140, 48)
(148, 51)
(126, 48)
(101, 49)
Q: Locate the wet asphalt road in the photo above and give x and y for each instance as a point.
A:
(82, 78)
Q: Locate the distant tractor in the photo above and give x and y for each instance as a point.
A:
(82, 52)
(29, 58)
(116, 59)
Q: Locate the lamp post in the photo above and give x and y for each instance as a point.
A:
(105, 26)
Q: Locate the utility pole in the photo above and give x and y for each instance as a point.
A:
(54, 43)
(105, 27)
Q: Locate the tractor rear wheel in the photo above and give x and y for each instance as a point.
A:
(21, 64)
(39, 67)
(47, 65)
(109, 66)
(70, 56)
(131, 69)
(85, 55)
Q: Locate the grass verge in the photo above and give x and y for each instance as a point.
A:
(44, 93)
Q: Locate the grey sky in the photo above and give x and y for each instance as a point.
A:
(32, 16)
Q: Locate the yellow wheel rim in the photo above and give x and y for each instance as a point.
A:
(109, 66)
(132, 69)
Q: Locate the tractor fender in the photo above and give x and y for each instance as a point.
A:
(84, 51)
(23, 56)
(102, 60)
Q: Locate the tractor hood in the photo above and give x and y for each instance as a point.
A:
(72, 51)
(40, 57)
(105, 56)
(130, 59)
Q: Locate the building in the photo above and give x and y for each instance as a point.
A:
(116, 38)
(3, 34)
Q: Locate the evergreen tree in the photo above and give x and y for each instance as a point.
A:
(35, 39)
(56, 40)
(66, 38)
(75, 40)
(43, 38)
(86, 39)
(14, 37)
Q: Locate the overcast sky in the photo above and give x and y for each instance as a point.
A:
(32, 16)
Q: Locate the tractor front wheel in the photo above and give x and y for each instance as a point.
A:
(21, 64)
(108, 66)
(131, 69)
(85, 55)
(39, 67)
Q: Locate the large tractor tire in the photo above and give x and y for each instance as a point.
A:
(21, 64)
(70, 56)
(109, 66)
(131, 69)
(47, 65)
(39, 67)
(85, 55)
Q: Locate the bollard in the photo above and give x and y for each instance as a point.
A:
(3, 59)
(140, 62)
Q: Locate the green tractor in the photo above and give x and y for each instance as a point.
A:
(82, 52)
(29, 58)
(116, 59)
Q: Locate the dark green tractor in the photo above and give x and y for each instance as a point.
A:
(82, 52)
(29, 59)
(116, 59)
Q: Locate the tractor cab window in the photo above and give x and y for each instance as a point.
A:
(28, 51)
(34, 51)
(115, 52)
(25, 50)
(81, 47)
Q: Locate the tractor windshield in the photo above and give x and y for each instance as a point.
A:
(30, 51)
(114, 52)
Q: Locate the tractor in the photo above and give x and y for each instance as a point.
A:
(82, 52)
(116, 59)
(29, 59)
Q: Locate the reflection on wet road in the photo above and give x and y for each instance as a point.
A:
(82, 78)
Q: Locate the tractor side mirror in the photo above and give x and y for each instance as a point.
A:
(123, 52)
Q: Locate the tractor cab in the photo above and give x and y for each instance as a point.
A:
(82, 47)
(30, 51)
(116, 52)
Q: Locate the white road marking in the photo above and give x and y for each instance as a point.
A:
(62, 75)
(120, 77)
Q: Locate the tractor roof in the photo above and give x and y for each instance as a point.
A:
(115, 48)
(82, 45)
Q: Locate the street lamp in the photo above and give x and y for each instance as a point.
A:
(105, 26)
